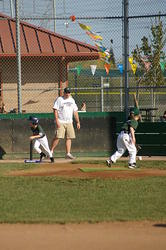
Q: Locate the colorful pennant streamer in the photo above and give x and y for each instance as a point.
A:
(94, 35)
(78, 68)
(133, 65)
(162, 65)
(104, 53)
(131, 60)
(120, 67)
(107, 67)
(134, 68)
(93, 69)
(84, 27)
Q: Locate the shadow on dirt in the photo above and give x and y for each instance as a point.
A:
(160, 225)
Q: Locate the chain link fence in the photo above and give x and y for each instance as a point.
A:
(56, 52)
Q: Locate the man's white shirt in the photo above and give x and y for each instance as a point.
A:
(66, 108)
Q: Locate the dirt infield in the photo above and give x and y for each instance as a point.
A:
(70, 170)
(103, 236)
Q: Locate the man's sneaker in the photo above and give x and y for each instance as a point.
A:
(52, 159)
(109, 163)
(70, 156)
(42, 155)
(132, 165)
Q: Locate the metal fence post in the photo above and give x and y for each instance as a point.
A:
(126, 52)
(102, 95)
(54, 14)
(121, 93)
(18, 56)
(76, 85)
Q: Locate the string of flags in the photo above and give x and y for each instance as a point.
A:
(103, 51)
(97, 39)
(106, 55)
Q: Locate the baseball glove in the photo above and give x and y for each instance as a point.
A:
(138, 147)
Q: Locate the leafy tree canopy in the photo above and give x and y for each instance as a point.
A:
(151, 54)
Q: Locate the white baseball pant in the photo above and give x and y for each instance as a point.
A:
(124, 142)
(44, 143)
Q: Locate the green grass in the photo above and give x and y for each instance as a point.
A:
(7, 167)
(61, 200)
(88, 170)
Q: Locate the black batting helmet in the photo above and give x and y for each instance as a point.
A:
(34, 120)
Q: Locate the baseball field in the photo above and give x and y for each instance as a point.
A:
(82, 204)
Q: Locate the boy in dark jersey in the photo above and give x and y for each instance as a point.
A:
(40, 138)
(126, 140)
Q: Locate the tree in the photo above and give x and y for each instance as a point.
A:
(149, 56)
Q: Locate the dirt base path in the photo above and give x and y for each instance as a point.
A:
(69, 170)
(103, 236)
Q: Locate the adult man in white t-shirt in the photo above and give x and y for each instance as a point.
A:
(64, 110)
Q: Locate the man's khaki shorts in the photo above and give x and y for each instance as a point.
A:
(65, 130)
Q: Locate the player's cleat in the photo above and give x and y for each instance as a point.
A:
(52, 159)
(109, 163)
(70, 156)
(132, 165)
(42, 155)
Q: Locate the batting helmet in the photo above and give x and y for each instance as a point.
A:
(34, 120)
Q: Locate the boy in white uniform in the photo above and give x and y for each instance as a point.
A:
(126, 140)
(64, 110)
(39, 138)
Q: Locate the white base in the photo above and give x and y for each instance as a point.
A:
(32, 161)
